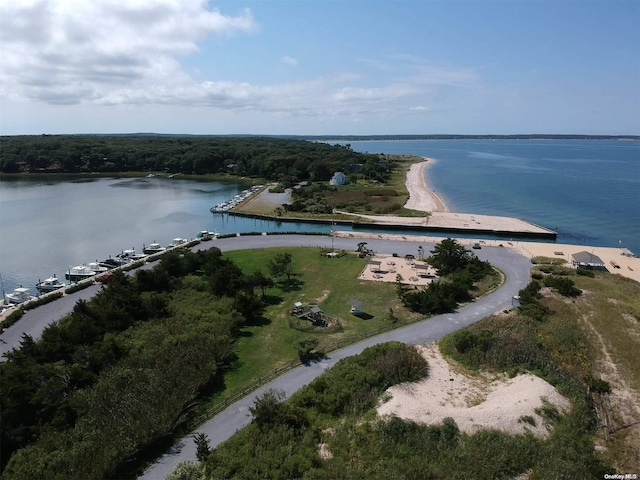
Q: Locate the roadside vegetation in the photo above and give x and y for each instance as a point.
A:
(459, 273)
(566, 346)
(115, 366)
(121, 373)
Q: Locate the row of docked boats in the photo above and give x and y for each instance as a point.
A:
(236, 200)
(99, 270)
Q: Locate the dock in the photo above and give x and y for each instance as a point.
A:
(224, 207)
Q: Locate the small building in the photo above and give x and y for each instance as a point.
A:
(587, 260)
(338, 178)
(356, 306)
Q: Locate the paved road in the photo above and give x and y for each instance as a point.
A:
(224, 425)
(33, 322)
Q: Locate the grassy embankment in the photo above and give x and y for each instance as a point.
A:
(593, 336)
(609, 314)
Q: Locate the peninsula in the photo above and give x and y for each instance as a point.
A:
(436, 216)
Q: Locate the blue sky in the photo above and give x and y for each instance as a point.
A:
(312, 67)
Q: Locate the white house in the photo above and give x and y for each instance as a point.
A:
(338, 178)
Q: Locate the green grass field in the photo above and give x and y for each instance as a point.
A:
(330, 282)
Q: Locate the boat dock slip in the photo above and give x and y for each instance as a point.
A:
(236, 200)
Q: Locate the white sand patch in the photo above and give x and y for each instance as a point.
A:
(413, 272)
(474, 402)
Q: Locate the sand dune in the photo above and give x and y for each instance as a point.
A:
(476, 402)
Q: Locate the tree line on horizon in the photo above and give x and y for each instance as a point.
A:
(270, 158)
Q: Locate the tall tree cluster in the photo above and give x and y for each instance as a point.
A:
(264, 157)
(119, 374)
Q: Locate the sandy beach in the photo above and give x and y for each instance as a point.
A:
(424, 199)
(421, 197)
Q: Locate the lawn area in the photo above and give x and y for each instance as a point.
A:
(330, 282)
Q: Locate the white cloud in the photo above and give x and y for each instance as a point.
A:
(73, 52)
(420, 108)
(127, 52)
(289, 61)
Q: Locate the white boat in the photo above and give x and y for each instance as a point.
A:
(178, 242)
(49, 284)
(96, 267)
(131, 255)
(152, 248)
(77, 273)
(19, 295)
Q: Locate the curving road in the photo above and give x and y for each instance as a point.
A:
(225, 424)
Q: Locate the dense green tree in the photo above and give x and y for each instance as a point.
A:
(306, 349)
(448, 256)
(267, 157)
(281, 264)
(203, 446)
(260, 280)
(123, 370)
(266, 408)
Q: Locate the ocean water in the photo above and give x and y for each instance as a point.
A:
(586, 190)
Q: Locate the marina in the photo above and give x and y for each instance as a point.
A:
(94, 271)
(227, 206)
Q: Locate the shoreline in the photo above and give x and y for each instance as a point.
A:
(421, 197)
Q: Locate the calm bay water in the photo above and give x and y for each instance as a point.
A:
(48, 226)
(588, 190)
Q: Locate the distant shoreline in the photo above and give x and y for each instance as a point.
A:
(386, 138)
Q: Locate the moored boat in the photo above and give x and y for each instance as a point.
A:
(96, 267)
(79, 272)
(204, 235)
(130, 255)
(114, 262)
(49, 284)
(178, 242)
(19, 295)
(152, 248)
